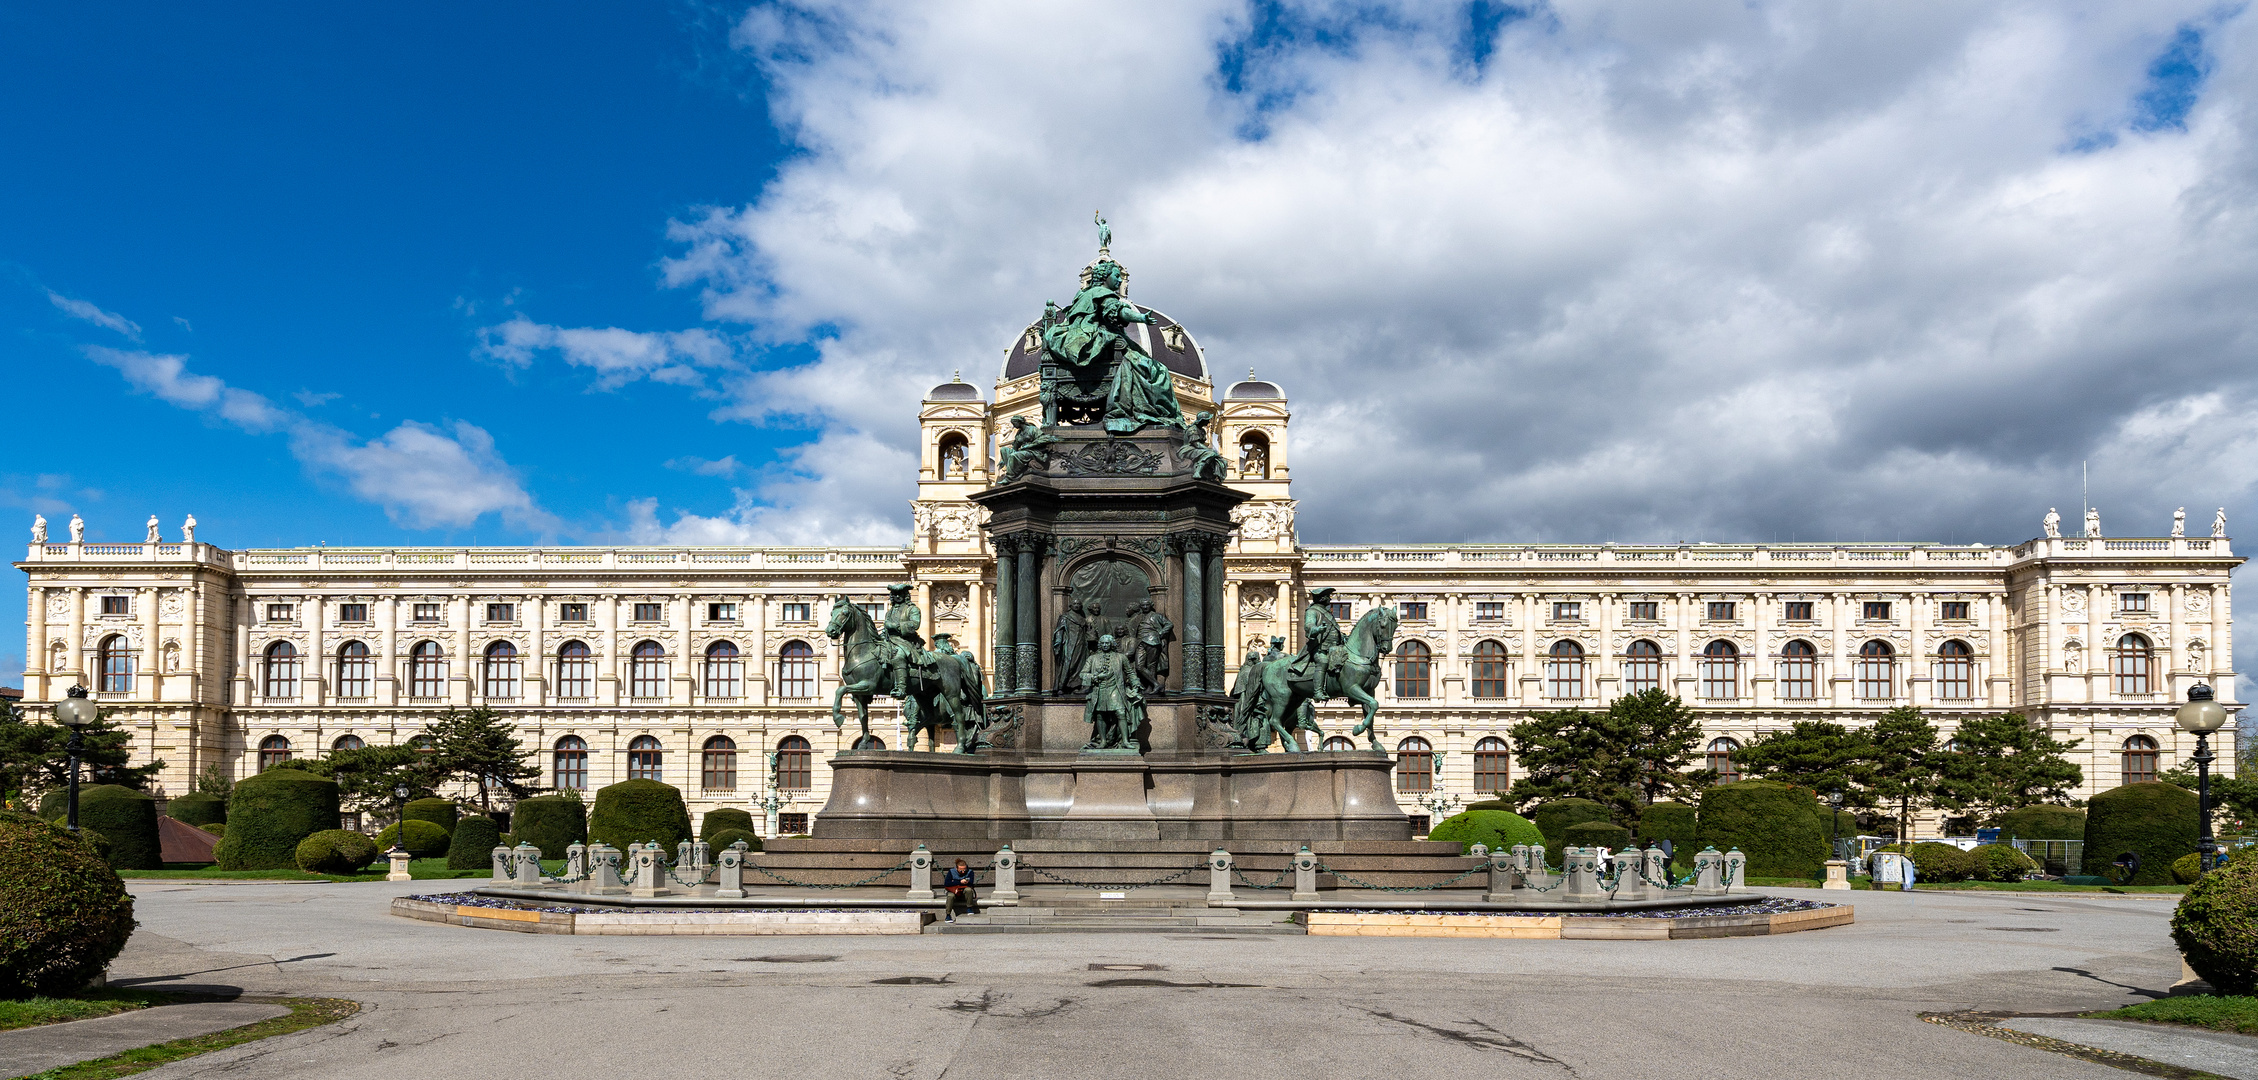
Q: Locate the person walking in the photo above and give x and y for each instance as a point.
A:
(958, 881)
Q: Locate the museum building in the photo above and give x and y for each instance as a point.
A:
(708, 667)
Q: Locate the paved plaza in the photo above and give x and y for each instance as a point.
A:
(442, 1002)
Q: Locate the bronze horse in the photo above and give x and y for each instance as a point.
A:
(935, 697)
(1283, 694)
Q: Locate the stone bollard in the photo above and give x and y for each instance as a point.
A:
(701, 857)
(501, 857)
(1536, 865)
(1581, 865)
(603, 870)
(650, 871)
(921, 873)
(576, 862)
(732, 872)
(1709, 872)
(1006, 892)
(1219, 866)
(684, 860)
(1478, 851)
(1505, 877)
(528, 860)
(1838, 875)
(1630, 875)
(1736, 868)
(1657, 869)
(399, 856)
(1305, 874)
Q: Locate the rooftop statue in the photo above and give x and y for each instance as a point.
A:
(1082, 339)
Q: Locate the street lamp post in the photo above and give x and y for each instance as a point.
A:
(75, 712)
(2201, 716)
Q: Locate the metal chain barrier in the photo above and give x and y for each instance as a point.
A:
(1124, 885)
(766, 872)
(1272, 884)
(1363, 884)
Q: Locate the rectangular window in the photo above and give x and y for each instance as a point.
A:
(1420, 823)
(1721, 611)
(352, 613)
(1645, 610)
(647, 612)
(792, 824)
(572, 766)
(1489, 609)
(877, 613)
(1342, 612)
(116, 605)
(576, 672)
(1412, 612)
(1877, 611)
(350, 821)
(501, 612)
(1720, 677)
(1954, 610)
(721, 613)
(1799, 610)
(796, 613)
(1567, 611)
(275, 612)
(572, 613)
(719, 770)
(426, 613)
(2132, 601)
(1799, 676)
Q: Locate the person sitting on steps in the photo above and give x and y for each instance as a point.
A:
(958, 881)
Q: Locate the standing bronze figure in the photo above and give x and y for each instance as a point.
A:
(1115, 709)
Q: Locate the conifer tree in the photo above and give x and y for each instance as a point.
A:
(1631, 755)
(1997, 763)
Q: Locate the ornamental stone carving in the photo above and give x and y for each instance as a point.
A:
(1112, 457)
(1268, 520)
(58, 605)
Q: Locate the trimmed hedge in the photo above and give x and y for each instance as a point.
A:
(726, 837)
(95, 840)
(472, 846)
(423, 839)
(335, 851)
(197, 808)
(1596, 834)
(1497, 829)
(551, 823)
(1493, 804)
(2188, 868)
(1553, 817)
(2001, 862)
(1778, 826)
(728, 817)
(440, 812)
(639, 811)
(216, 828)
(2216, 925)
(2043, 822)
(269, 814)
(129, 819)
(64, 914)
(1672, 821)
(2154, 819)
(1937, 862)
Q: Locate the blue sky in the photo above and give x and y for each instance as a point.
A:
(512, 273)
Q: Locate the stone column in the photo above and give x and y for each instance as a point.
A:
(316, 675)
(1029, 623)
(1004, 656)
(74, 647)
(387, 688)
(36, 653)
(1217, 610)
(1194, 665)
(152, 683)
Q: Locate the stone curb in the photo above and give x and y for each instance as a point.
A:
(1569, 927)
(662, 922)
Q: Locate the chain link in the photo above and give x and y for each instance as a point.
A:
(766, 872)
(1273, 883)
(1124, 885)
(1363, 884)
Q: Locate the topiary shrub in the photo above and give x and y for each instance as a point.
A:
(423, 839)
(2216, 925)
(726, 837)
(1778, 826)
(2043, 822)
(728, 817)
(1594, 834)
(472, 846)
(1553, 817)
(197, 808)
(1497, 829)
(551, 823)
(54, 803)
(440, 812)
(2188, 868)
(216, 828)
(2154, 820)
(129, 819)
(268, 814)
(1493, 804)
(64, 915)
(1672, 821)
(1937, 862)
(336, 851)
(2001, 862)
(95, 840)
(639, 811)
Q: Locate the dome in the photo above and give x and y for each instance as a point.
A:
(1164, 338)
(954, 390)
(1254, 389)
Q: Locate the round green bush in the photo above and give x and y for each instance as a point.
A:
(2154, 820)
(726, 837)
(268, 814)
(216, 828)
(423, 839)
(64, 915)
(2188, 868)
(54, 803)
(129, 819)
(440, 812)
(728, 817)
(1778, 826)
(2216, 925)
(335, 851)
(639, 811)
(1937, 862)
(1596, 834)
(1553, 817)
(1495, 829)
(1672, 821)
(2043, 822)
(97, 841)
(1493, 804)
(472, 846)
(197, 808)
(551, 823)
(2001, 862)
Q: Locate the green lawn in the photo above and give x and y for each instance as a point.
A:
(2045, 886)
(2238, 1014)
(420, 869)
(304, 1013)
(32, 1012)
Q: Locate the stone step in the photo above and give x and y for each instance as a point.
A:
(968, 925)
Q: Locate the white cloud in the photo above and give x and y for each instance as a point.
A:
(728, 466)
(86, 312)
(617, 356)
(314, 400)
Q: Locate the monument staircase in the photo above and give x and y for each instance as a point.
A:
(1112, 865)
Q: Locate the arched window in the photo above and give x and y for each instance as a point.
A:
(795, 670)
(1642, 667)
(1413, 663)
(869, 742)
(572, 763)
(1876, 681)
(427, 671)
(117, 664)
(793, 771)
(1490, 769)
(955, 457)
(1564, 671)
(1334, 744)
(718, 766)
(643, 756)
(725, 670)
(2133, 664)
(1956, 671)
(1719, 758)
(281, 671)
(348, 742)
(1720, 671)
(502, 670)
(1254, 456)
(1799, 672)
(646, 671)
(1489, 670)
(576, 672)
(273, 751)
(356, 671)
(2140, 760)
(1415, 765)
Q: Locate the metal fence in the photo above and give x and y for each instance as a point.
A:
(2054, 857)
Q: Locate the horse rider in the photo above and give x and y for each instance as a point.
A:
(901, 636)
(1321, 638)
